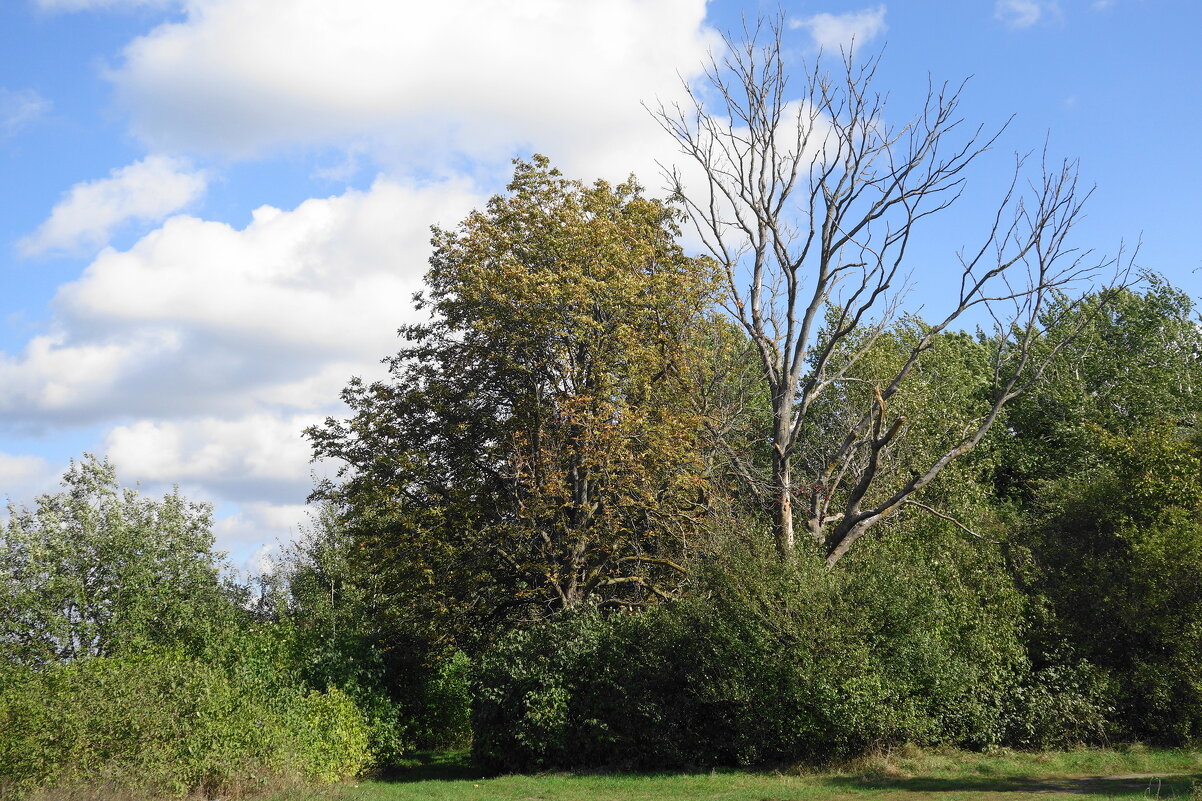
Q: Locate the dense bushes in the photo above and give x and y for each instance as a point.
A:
(771, 663)
(162, 722)
(350, 627)
(126, 661)
(1119, 563)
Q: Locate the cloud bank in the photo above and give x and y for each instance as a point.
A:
(200, 317)
(423, 83)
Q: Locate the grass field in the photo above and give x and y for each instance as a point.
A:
(910, 774)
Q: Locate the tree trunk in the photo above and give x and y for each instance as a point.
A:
(782, 488)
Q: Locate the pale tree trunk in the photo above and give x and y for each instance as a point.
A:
(782, 489)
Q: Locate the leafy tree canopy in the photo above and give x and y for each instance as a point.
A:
(538, 441)
(97, 570)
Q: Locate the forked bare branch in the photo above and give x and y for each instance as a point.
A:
(810, 197)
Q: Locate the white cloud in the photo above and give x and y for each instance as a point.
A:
(214, 347)
(19, 109)
(837, 33)
(255, 528)
(23, 477)
(259, 456)
(1023, 13)
(418, 81)
(326, 278)
(145, 191)
(200, 318)
(58, 379)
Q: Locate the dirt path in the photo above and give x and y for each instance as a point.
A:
(1124, 783)
(1146, 785)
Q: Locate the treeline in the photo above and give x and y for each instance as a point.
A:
(567, 483)
(619, 506)
(555, 539)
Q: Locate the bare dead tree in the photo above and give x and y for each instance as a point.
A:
(809, 201)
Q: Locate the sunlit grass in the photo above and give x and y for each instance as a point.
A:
(906, 773)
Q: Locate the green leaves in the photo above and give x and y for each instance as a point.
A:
(1135, 364)
(96, 570)
(1119, 549)
(539, 441)
(125, 661)
(160, 723)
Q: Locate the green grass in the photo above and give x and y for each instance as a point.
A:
(907, 774)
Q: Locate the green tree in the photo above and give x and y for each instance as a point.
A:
(946, 394)
(1102, 463)
(537, 443)
(1119, 559)
(344, 634)
(97, 570)
(1136, 363)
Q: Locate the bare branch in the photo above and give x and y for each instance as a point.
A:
(950, 519)
(810, 200)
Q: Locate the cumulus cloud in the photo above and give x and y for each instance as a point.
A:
(423, 80)
(212, 347)
(841, 32)
(257, 457)
(89, 213)
(57, 379)
(199, 317)
(327, 278)
(23, 477)
(19, 109)
(255, 529)
(1022, 13)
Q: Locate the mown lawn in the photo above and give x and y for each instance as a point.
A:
(1131, 773)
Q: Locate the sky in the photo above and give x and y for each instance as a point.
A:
(213, 213)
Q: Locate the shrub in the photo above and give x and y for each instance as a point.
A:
(160, 722)
(1117, 562)
(444, 721)
(769, 663)
(692, 685)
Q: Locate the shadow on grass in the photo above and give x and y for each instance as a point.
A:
(1146, 786)
(434, 766)
(457, 766)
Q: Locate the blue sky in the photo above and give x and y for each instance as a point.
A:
(214, 212)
